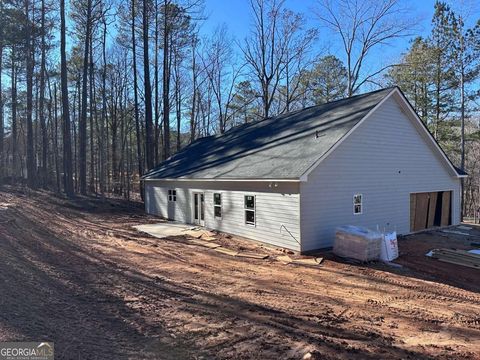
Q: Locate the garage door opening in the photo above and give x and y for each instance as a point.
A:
(430, 209)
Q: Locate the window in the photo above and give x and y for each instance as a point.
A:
(357, 204)
(250, 209)
(172, 195)
(217, 205)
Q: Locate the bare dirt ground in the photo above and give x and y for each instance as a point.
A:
(76, 273)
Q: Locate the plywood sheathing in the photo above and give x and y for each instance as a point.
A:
(446, 209)
(432, 209)
(421, 211)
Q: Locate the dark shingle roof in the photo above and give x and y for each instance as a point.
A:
(281, 147)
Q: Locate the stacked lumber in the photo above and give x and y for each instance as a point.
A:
(458, 257)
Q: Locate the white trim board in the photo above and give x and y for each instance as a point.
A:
(223, 179)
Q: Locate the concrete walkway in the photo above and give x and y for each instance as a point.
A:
(166, 229)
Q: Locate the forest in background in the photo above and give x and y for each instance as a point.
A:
(93, 93)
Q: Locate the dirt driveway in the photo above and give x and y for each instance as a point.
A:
(78, 274)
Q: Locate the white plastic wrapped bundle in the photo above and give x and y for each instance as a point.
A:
(357, 243)
(389, 248)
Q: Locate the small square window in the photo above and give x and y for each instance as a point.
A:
(250, 217)
(172, 195)
(357, 204)
(249, 202)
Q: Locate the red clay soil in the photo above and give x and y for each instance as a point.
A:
(76, 273)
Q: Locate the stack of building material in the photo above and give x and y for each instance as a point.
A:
(357, 243)
(458, 257)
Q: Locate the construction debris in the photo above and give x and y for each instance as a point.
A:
(252, 255)
(198, 233)
(308, 261)
(226, 251)
(455, 232)
(305, 261)
(458, 257)
(284, 259)
(207, 244)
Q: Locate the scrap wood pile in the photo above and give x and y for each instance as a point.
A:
(458, 257)
(207, 239)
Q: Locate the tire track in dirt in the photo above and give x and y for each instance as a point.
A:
(439, 291)
(220, 306)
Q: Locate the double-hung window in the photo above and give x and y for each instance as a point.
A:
(172, 195)
(250, 210)
(217, 205)
(357, 204)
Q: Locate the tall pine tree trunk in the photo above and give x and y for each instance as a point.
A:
(148, 90)
(82, 125)
(166, 81)
(15, 155)
(157, 105)
(67, 140)
(43, 125)
(92, 109)
(103, 157)
(194, 85)
(462, 119)
(2, 126)
(31, 173)
(55, 135)
(135, 94)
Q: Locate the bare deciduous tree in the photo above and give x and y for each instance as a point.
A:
(362, 26)
(222, 73)
(277, 41)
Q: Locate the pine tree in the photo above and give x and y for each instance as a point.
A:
(441, 42)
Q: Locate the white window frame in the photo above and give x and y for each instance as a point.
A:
(245, 209)
(172, 195)
(217, 205)
(358, 204)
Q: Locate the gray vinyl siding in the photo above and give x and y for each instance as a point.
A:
(384, 159)
(277, 208)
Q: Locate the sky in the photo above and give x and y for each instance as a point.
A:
(236, 15)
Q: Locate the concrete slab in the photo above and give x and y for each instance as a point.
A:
(163, 230)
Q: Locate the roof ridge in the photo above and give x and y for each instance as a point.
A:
(284, 115)
(225, 153)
